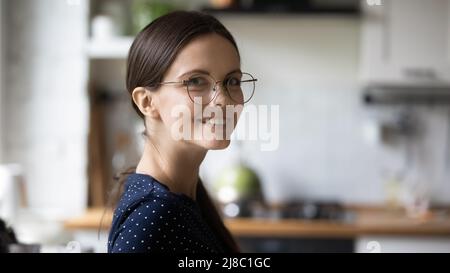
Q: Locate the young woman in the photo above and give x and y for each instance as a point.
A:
(181, 60)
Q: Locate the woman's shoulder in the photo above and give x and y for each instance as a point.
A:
(146, 192)
(146, 196)
(152, 210)
(140, 187)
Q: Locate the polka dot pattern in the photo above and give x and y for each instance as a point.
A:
(151, 218)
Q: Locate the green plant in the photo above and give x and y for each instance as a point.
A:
(145, 11)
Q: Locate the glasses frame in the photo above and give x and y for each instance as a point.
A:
(224, 83)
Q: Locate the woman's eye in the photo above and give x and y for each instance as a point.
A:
(197, 81)
(234, 81)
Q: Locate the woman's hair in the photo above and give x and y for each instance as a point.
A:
(151, 54)
(156, 46)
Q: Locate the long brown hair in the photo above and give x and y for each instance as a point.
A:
(151, 54)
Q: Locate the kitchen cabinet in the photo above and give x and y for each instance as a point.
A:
(403, 244)
(406, 41)
(295, 245)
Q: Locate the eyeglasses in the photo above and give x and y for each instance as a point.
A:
(240, 88)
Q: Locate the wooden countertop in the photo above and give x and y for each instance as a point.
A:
(367, 222)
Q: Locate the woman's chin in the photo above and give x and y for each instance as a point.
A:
(215, 144)
(214, 140)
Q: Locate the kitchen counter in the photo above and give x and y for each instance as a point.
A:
(367, 221)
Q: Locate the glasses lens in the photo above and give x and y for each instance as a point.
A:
(200, 88)
(241, 89)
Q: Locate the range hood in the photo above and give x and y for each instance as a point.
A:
(406, 94)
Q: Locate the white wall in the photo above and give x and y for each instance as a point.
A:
(309, 66)
(46, 101)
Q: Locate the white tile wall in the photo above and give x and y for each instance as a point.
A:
(46, 103)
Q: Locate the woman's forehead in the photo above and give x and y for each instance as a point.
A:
(211, 53)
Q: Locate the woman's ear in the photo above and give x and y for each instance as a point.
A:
(144, 100)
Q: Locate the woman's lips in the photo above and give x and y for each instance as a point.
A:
(214, 121)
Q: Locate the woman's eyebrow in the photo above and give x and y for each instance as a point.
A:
(234, 71)
(201, 71)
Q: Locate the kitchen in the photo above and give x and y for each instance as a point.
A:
(361, 87)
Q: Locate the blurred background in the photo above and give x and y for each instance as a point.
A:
(363, 156)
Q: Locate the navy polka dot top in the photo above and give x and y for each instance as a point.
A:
(151, 218)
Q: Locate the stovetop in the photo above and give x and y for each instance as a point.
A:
(332, 211)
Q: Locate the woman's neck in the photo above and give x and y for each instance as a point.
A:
(173, 164)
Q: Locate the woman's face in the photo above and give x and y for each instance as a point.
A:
(209, 126)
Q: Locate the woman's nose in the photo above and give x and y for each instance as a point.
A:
(221, 95)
